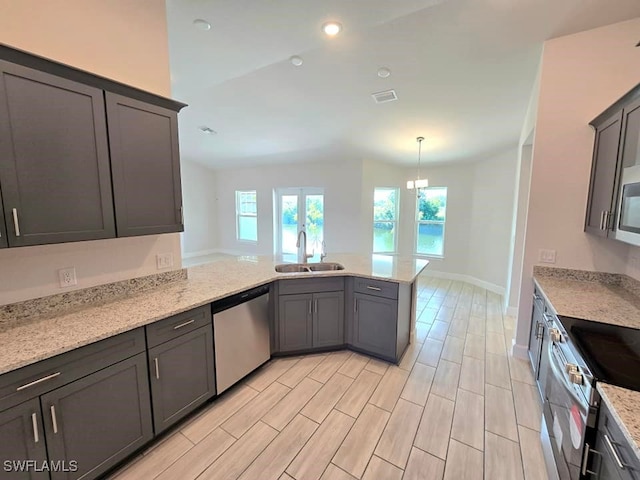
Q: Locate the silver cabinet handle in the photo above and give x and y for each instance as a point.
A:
(177, 327)
(540, 330)
(155, 361)
(310, 307)
(607, 219)
(182, 215)
(315, 305)
(613, 452)
(34, 422)
(36, 382)
(355, 306)
(54, 420)
(369, 287)
(16, 224)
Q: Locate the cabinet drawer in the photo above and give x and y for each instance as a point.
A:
(608, 426)
(33, 380)
(379, 288)
(311, 285)
(172, 327)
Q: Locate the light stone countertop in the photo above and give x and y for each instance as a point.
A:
(591, 300)
(624, 406)
(39, 338)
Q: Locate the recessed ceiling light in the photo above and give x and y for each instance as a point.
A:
(202, 24)
(296, 60)
(207, 130)
(384, 72)
(332, 28)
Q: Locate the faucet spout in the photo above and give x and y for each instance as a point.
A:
(304, 255)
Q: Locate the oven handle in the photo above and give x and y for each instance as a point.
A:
(557, 373)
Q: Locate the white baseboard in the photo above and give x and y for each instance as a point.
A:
(520, 351)
(492, 287)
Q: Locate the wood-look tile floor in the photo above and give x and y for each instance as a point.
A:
(457, 407)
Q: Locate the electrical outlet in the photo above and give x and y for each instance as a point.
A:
(547, 256)
(67, 277)
(164, 260)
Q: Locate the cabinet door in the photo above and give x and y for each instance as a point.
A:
(631, 135)
(100, 419)
(295, 322)
(328, 319)
(374, 325)
(182, 377)
(3, 231)
(607, 468)
(604, 177)
(146, 167)
(54, 167)
(22, 438)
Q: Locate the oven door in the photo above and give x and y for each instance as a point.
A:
(565, 415)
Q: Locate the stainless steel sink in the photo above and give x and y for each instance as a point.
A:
(308, 267)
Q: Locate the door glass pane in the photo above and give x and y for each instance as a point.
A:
(315, 225)
(289, 226)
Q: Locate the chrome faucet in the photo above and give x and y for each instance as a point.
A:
(305, 255)
(323, 252)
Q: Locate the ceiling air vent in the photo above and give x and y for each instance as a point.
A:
(386, 96)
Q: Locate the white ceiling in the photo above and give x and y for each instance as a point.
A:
(462, 69)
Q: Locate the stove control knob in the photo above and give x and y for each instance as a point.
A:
(555, 335)
(575, 377)
(571, 368)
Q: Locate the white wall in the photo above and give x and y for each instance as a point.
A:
(120, 39)
(491, 214)
(341, 181)
(581, 75)
(200, 200)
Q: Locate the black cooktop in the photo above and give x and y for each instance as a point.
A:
(611, 352)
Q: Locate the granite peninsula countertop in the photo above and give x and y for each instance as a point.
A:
(624, 406)
(600, 297)
(34, 339)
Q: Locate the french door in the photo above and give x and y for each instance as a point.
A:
(299, 210)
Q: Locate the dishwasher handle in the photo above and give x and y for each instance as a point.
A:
(238, 298)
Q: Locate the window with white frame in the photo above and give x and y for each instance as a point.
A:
(431, 206)
(385, 220)
(246, 216)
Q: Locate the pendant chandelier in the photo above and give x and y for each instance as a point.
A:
(418, 183)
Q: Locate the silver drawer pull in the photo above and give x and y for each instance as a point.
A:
(34, 422)
(184, 324)
(36, 382)
(16, 224)
(613, 452)
(54, 420)
(315, 305)
(369, 287)
(155, 361)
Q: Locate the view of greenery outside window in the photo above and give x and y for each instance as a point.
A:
(385, 220)
(431, 205)
(246, 216)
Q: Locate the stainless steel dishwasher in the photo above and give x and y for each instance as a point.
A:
(241, 335)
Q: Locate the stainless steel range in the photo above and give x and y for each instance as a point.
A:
(579, 354)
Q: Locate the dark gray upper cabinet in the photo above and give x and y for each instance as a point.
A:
(604, 175)
(54, 159)
(22, 438)
(630, 149)
(295, 322)
(145, 165)
(3, 231)
(100, 419)
(328, 319)
(374, 325)
(182, 376)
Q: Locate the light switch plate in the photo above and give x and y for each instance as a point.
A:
(164, 260)
(67, 277)
(547, 256)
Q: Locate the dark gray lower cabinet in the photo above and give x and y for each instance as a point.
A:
(3, 231)
(295, 322)
(374, 325)
(328, 319)
(182, 376)
(614, 458)
(22, 438)
(536, 333)
(100, 419)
